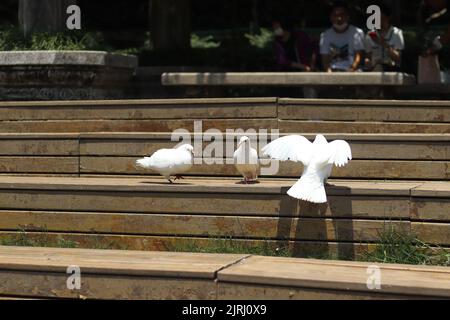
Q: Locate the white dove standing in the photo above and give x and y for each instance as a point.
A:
(169, 162)
(318, 159)
(246, 160)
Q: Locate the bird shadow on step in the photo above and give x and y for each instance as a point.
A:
(247, 183)
(167, 183)
(323, 231)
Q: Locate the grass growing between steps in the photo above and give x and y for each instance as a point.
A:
(232, 246)
(405, 248)
(394, 246)
(22, 239)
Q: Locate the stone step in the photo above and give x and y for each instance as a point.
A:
(364, 110)
(269, 277)
(217, 167)
(284, 126)
(43, 273)
(317, 249)
(287, 115)
(376, 156)
(357, 211)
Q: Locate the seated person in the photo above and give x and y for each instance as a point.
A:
(434, 19)
(435, 15)
(342, 46)
(384, 47)
(294, 50)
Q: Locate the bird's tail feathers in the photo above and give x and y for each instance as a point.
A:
(314, 193)
(144, 163)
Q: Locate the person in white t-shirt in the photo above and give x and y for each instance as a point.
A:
(384, 47)
(342, 46)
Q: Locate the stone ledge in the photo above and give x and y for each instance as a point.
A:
(288, 79)
(87, 58)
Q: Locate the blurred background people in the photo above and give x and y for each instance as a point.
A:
(384, 47)
(294, 50)
(342, 46)
(434, 18)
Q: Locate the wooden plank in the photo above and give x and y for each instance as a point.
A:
(244, 291)
(399, 150)
(122, 147)
(439, 170)
(357, 169)
(313, 126)
(53, 285)
(298, 110)
(366, 148)
(342, 250)
(299, 273)
(147, 224)
(432, 233)
(443, 104)
(38, 147)
(149, 202)
(358, 207)
(198, 225)
(154, 264)
(432, 189)
(60, 126)
(345, 230)
(156, 109)
(202, 186)
(283, 206)
(423, 209)
(30, 164)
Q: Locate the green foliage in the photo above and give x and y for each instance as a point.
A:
(261, 40)
(405, 248)
(207, 42)
(12, 39)
(228, 245)
(41, 239)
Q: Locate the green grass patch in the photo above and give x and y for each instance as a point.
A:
(228, 245)
(11, 39)
(41, 239)
(394, 246)
(405, 248)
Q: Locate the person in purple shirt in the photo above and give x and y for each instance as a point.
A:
(294, 50)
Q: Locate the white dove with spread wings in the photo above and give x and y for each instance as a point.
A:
(318, 159)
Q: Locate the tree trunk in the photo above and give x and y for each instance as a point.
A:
(170, 24)
(43, 15)
(255, 17)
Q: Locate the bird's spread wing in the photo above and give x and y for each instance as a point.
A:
(338, 153)
(290, 148)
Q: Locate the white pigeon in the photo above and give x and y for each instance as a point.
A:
(246, 161)
(318, 159)
(169, 162)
